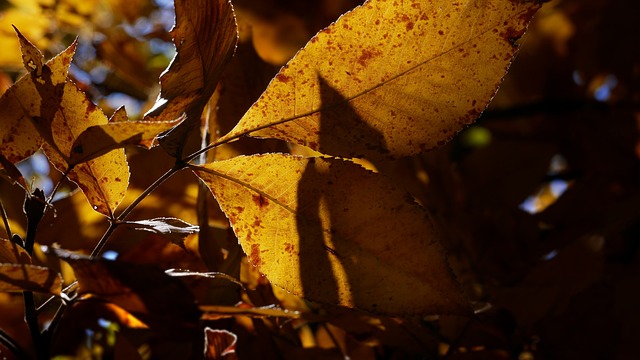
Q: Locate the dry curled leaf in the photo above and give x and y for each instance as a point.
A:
(333, 232)
(175, 230)
(205, 37)
(391, 78)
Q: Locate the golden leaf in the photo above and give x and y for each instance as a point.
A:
(22, 122)
(60, 112)
(414, 73)
(104, 180)
(333, 232)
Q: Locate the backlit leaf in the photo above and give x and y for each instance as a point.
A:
(60, 112)
(14, 277)
(415, 73)
(205, 37)
(32, 58)
(103, 180)
(10, 252)
(175, 230)
(333, 232)
(24, 121)
(98, 140)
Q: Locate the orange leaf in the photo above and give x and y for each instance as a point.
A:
(391, 78)
(333, 232)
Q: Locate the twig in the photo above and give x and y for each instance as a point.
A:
(6, 220)
(12, 345)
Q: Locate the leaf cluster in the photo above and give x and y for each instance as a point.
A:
(319, 204)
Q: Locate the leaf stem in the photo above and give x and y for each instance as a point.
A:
(118, 220)
(177, 167)
(6, 221)
(12, 345)
(31, 317)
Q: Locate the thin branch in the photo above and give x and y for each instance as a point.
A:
(12, 345)
(6, 220)
(179, 166)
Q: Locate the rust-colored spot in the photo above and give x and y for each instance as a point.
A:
(367, 55)
(441, 32)
(117, 179)
(257, 222)
(254, 257)
(260, 200)
(283, 78)
(378, 22)
(239, 209)
(288, 248)
(409, 25)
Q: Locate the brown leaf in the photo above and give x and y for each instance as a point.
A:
(11, 172)
(24, 277)
(333, 232)
(219, 344)
(414, 72)
(11, 252)
(156, 298)
(205, 37)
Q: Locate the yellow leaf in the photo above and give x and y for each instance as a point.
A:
(32, 58)
(391, 78)
(98, 140)
(14, 277)
(104, 180)
(25, 118)
(205, 37)
(333, 232)
(11, 252)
